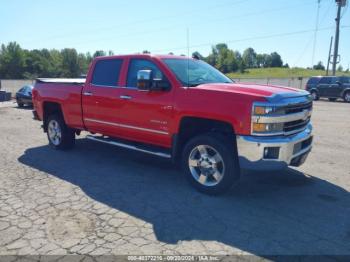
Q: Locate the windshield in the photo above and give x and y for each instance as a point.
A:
(195, 72)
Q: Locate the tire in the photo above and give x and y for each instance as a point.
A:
(332, 99)
(347, 96)
(60, 136)
(314, 95)
(210, 163)
(20, 104)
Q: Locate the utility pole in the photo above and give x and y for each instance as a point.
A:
(340, 3)
(329, 55)
(316, 29)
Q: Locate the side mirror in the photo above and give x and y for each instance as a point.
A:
(144, 79)
(146, 82)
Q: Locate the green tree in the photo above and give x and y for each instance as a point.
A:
(319, 66)
(260, 60)
(12, 61)
(250, 58)
(276, 60)
(99, 53)
(70, 63)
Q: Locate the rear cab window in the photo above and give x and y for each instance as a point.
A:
(106, 72)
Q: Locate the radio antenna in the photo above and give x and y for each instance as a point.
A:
(188, 57)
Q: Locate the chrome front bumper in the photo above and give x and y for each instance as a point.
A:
(253, 151)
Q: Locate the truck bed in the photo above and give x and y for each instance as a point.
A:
(63, 92)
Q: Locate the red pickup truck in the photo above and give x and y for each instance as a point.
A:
(183, 109)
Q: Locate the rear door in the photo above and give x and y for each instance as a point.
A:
(334, 88)
(324, 86)
(100, 98)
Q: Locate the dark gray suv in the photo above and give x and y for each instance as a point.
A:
(332, 87)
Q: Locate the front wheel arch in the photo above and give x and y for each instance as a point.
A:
(190, 127)
(317, 94)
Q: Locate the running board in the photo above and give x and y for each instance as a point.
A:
(136, 147)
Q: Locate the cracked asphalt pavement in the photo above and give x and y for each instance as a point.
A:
(98, 199)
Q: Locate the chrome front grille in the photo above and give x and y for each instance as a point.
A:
(285, 117)
(300, 124)
(291, 127)
(292, 109)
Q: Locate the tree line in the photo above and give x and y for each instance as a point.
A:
(18, 63)
(228, 61)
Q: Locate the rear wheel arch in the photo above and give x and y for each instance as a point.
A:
(49, 109)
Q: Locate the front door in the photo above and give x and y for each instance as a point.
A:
(146, 116)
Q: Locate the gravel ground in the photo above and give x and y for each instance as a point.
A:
(97, 199)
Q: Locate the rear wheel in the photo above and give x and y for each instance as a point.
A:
(60, 136)
(210, 163)
(314, 95)
(332, 99)
(347, 96)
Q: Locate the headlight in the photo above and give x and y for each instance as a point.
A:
(264, 128)
(267, 110)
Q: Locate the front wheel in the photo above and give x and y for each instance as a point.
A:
(210, 163)
(19, 103)
(347, 96)
(59, 134)
(314, 95)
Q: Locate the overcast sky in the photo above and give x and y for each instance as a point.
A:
(131, 26)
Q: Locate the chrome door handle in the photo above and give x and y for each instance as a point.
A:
(125, 97)
(87, 93)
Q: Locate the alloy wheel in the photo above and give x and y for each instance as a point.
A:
(206, 165)
(54, 132)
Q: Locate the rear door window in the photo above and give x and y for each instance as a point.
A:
(106, 72)
(313, 80)
(326, 80)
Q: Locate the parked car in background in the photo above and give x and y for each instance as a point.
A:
(24, 96)
(332, 87)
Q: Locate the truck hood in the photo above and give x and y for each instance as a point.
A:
(271, 93)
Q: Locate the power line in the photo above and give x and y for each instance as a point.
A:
(200, 23)
(184, 13)
(247, 39)
(303, 51)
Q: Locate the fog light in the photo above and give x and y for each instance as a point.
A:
(271, 152)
